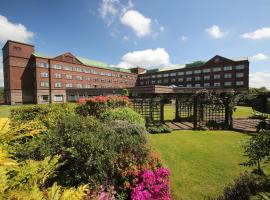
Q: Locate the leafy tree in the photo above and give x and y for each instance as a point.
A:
(258, 149)
(1, 93)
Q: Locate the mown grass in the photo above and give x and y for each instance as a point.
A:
(242, 112)
(201, 162)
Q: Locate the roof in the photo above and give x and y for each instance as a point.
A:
(88, 62)
(188, 65)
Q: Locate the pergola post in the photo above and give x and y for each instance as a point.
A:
(177, 108)
(195, 109)
(161, 110)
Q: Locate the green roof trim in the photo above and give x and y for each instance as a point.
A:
(41, 55)
(196, 64)
(88, 62)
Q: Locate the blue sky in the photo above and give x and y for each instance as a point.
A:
(146, 33)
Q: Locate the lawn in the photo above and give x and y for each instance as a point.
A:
(201, 162)
(242, 112)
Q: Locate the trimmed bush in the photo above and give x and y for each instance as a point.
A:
(159, 129)
(126, 114)
(96, 105)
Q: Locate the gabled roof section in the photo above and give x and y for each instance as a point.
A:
(216, 59)
(41, 55)
(68, 57)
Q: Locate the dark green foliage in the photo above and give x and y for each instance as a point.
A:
(124, 92)
(258, 149)
(88, 149)
(2, 94)
(245, 186)
(161, 128)
(124, 113)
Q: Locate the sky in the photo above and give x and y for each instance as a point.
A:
(150, 33)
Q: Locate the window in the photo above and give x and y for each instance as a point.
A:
(228, 83)
(44, 84)
(159, 81)
(188, 72)
(180, 73)
(69, 76)
(189, 79)
(166, 81)
(216, 84)
(87, 71)
(198, 71)
(78, 69)
(197, 78)
(72, 97)
(217, 76)
(78, 77)
(43, 64)
(57, 76)
(159, 75)
(153, 76)
(239, 83)
(58, 85)
(68, 68)
(189, 85)
(68, 85)
(227, 75)
(217, 69)
(197, 85)
(94, 72)
(45, 98)
(173, 74)
(206, 77)
(227, 68)
(206, 70)
(153, 82)
(173, 80)
(58, 98)
(44, 74)
(165, 75)
(87, 78)
(239, 75)
(206, 84)
(180, 79)
(57, 67)
(239, 67)
(79, 85)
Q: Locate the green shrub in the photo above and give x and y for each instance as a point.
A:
(245, 186)
(159, 129)
(214, 125)
(96, 105)
(89, 150)
(124, 113)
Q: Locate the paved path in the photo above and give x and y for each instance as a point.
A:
(244, 125)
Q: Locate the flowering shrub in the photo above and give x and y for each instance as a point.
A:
(152, 185)
(96, 105)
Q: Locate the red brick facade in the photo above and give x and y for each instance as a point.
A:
(33, 78)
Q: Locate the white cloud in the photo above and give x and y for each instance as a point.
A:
(259, 57)
(138, 22)
(215, 32)
(258, 34)
(259, 79)
(145, 58)
(12, 31)
(161, 28)
(184, 38)
(108, 10)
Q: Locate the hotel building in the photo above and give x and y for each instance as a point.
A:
(30, 77)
